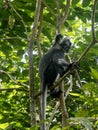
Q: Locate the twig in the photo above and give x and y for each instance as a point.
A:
(58, 8)
(18, 83)
(61, 20)
(60, 80)
(93, 20)
(11, 89)
(53, 13)
(70, 87)
(78, 77)
(21, 20)
(55, 84)
(40, 30)
(52, 115)
(9, 38)
(93, 34)
(66, 12)
(58, 17)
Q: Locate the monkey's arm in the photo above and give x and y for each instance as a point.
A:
(71, 66)
(59, 60)
(60, 64)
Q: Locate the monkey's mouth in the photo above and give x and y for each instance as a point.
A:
(67, 50)
(66, 47)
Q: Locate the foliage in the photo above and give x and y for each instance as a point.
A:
(82, 102)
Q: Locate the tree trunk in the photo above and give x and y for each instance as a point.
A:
(63, 106)
(31, 65)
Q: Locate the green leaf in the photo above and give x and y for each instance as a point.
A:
(88, 38)
(34, 128)
(97, 34)
(76, 94)
(7, 105)
(94, 73)
(74, 2)
(82, 113)
(86, 3)
(56, 127)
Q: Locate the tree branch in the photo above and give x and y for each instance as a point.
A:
(78, 77)
(58, 17)
(11, 38)
(63, 106)
(55, 84)
(51, 11)
(31, 66)
(93, 34)
(58, 8)
(40, 30)
(21, 20)
(52, 115)
(18, 83)
(11, 89)
(93, 20)
(81, 57)
(58, 103)
(66, 12)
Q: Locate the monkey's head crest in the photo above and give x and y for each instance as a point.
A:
(64, 42)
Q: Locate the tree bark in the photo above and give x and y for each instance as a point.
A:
(60, 22)
(31, 65)
(63, 106)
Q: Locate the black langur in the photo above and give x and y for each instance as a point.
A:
(51, 65)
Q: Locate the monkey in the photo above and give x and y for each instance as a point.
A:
(51, 67)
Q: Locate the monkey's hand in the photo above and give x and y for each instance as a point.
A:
(70, 67)
(73, 65)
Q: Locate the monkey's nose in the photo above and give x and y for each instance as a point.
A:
(70, 43)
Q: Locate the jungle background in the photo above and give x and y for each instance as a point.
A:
(27, 31)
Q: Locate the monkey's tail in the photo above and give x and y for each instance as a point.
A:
(44, 100)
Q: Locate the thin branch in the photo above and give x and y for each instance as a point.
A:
(63, 106)
(40, 30)
(11, 38)
(78, 77)
(55, 84)
(58, 17)
(60, 80)
(21, 20)
(93, 34)
(93, 20)
(18, 83)
(11, 89)
(51, 11)
(70, 87)
(58, 103)
(52, 115)
(85, 52)
(58, 8)
(66, 12)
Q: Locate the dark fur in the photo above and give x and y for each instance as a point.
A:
(52, 64)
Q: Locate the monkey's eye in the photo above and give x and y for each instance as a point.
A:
(67, 42)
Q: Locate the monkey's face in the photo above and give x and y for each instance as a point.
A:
(65, 44)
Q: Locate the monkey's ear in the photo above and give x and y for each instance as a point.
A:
(58, 38)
